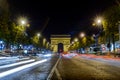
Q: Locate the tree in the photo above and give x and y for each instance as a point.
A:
(4, 27)
(35, 40)
(10, 32)
(87, 41)
(110, 23)
(102, 38)
(5, 23)
(4, 20)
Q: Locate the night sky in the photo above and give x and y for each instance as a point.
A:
(60, 17)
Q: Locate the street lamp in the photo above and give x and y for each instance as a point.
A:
(23, 22)
(98, 20)
(76, 39)
(98, 23)
(38, 34)
(72, 42)
(82, 35)
(76, 44)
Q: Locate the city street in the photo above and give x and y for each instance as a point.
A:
(29, 68)
(83, 67)
(55, 40)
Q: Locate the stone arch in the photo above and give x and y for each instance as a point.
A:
(63, 39)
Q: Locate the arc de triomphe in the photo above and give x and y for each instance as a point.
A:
(60, 39)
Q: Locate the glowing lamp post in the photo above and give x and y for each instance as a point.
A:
(23, 22)
(82, 35)
(76, 39)
(38, 34)
(98, 22)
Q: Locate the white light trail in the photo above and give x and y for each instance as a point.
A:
(15, 64)
(8, 57)
(11, 58)
(3, 61)
(48, 55)
(2, 57)
(23, 58)
(6, 73)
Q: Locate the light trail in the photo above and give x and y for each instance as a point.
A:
(3, 61)
(11, 58)
(15, 64)
(8, 57)
(6, 73)
(2, 57)
(47, 55)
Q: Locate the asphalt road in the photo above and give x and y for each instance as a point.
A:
(38, 72)
(78, 68)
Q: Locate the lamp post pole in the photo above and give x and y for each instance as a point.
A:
(98, 23)
(82, 35)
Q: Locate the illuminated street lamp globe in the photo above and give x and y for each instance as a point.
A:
(82, 35)
(72, 42)
(38, 34)
(99, 21)
(76, 39)
(23, 22)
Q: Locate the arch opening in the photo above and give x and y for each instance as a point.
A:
(60, 48)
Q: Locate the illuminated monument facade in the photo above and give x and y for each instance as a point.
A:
(60, 43)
